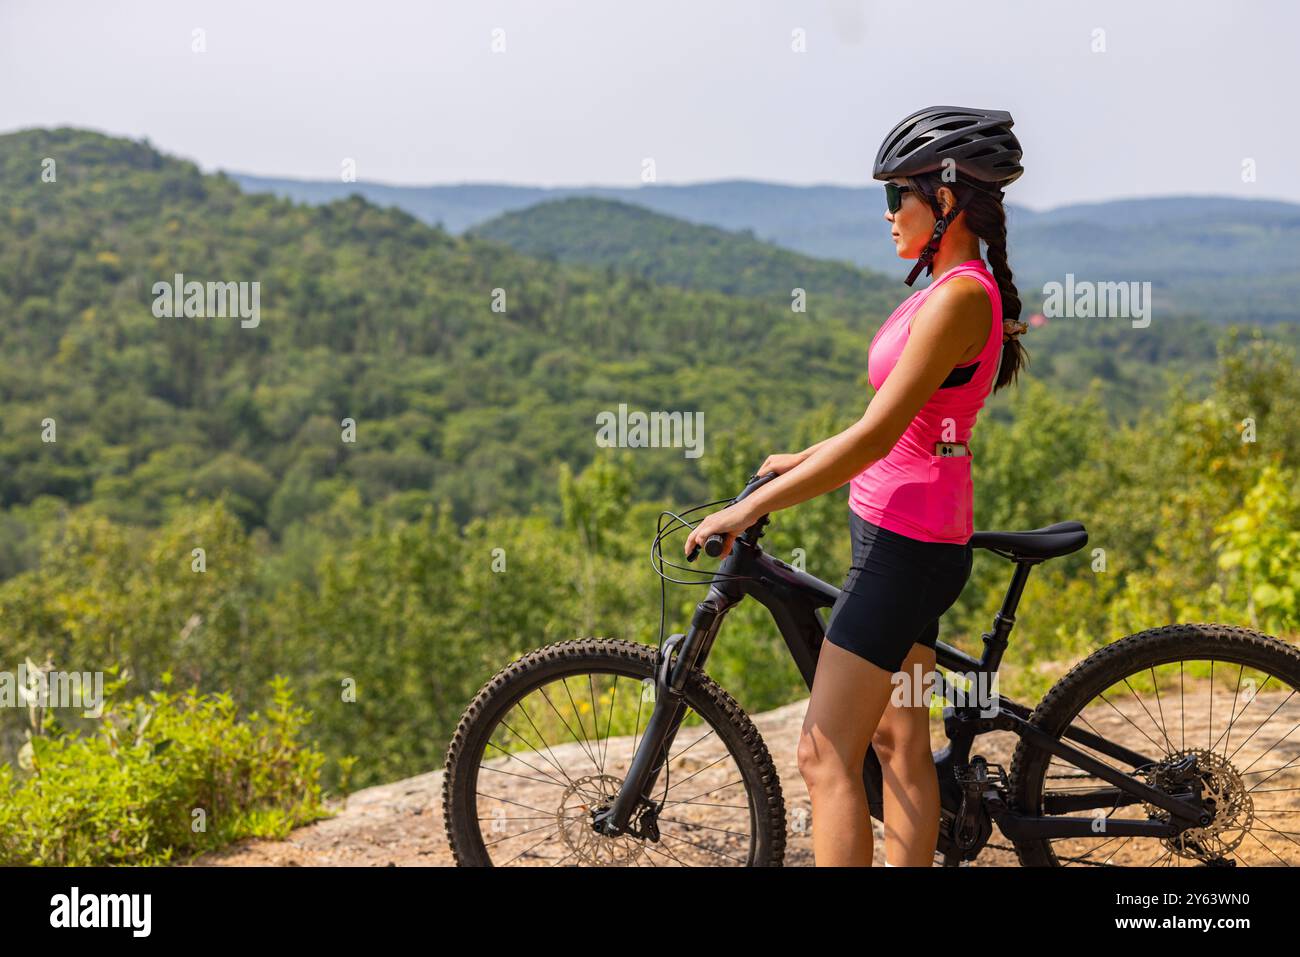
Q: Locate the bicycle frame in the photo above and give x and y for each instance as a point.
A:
(967, 797)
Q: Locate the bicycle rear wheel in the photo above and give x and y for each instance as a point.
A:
(1216, 709)
(549, 740)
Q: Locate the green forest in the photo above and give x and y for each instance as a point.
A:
(316, 537)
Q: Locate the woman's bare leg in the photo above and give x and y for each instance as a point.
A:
(849, 694)
(911, 783)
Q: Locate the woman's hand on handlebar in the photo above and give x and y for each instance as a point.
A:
(781, 462)
(728, 522)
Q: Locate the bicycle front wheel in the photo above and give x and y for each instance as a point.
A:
(548, 741)
(1212, 710)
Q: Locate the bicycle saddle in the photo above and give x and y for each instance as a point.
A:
(1059, 539)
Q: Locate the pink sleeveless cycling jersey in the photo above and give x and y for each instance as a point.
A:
(911, 490)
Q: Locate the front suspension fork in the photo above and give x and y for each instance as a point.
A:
(671, 677)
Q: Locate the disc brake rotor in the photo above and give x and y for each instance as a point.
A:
(1222, 793)
(573, 819)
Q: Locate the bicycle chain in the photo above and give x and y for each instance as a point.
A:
(1012, 850)
(1077, 860)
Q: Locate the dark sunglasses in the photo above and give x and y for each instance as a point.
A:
(894, 196)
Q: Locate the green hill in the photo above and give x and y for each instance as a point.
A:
(667, 250)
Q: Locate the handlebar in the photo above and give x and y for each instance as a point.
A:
(713, 545)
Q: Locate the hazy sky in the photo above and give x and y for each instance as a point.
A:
(1183, 93)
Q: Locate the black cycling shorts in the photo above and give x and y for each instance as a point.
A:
(895, 592)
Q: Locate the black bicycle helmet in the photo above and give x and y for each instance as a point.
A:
(979, 142)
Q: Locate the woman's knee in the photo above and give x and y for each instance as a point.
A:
(807, 754)
(885, 745)
(894, 744)
(818, 761)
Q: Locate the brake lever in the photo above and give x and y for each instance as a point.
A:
(715, 543)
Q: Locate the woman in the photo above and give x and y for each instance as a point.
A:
(932, 363)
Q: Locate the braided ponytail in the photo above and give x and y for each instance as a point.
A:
(986, 217)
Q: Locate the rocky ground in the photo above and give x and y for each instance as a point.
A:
(400, 824)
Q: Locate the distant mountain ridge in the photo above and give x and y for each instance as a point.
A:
(665, 249)
(1226, 258)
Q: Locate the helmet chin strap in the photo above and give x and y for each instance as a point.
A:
(926, 259)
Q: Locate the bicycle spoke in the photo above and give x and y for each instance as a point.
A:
(563, 859)
(1155, 684)
(1266, 847)
(1116, 851)
(1274, 745)
(549, 758)
(1227, 733)
(666, 852)
(705, 847)
(697, 773)
(512, 754)
(515, 757)
(581, 724)
(531, 830)
(706, 827)
(1159, 727)
(1130, 721)
(527, 850)
(526, 807)
(582, 742)
(689, 746)
(735, 807)
(1182, 709)
(720, 787)
(1289, 764)
(613, 707)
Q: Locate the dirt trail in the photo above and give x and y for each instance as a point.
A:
(400, 824)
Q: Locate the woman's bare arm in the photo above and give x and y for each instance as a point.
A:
(945, 327)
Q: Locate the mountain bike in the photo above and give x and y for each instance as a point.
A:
(552, 764)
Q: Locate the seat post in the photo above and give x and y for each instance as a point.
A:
(995, 642)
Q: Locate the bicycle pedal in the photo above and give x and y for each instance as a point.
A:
(980, 772)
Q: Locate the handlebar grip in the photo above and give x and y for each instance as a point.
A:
(713, 546)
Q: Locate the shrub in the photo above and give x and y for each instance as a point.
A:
(163, 778)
